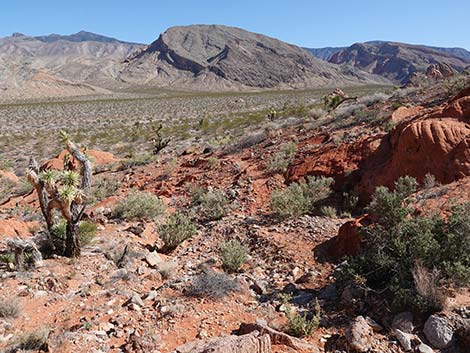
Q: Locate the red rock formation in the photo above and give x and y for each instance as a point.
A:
(348, 241)
(319, 158)
(97, 158)
(435, 142)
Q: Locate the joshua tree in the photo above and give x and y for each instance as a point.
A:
(64, 191)
(159, 142)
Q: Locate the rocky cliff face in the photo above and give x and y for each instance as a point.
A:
(225, 56)
(397, 61)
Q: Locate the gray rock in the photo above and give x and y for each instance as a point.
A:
(153, 259)
(360, 335)
(438, 331)
(403, 322)
(404, 339)
(250, 343)
(135, 299)
(424, 348)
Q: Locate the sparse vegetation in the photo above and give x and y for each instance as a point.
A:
(213, 285)
(233, 255)
(280, 161)
(177, 229)
(139, 205)
(300, 198)
(9, 308)
(303, 324)
(328, 211)
(210, 205)
(103, 189)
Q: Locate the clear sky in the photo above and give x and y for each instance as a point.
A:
(310, 23)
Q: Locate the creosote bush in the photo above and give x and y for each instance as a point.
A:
(210, 205)
(300, 198)
(302, 324)
(213, 285)
(139, 205)
(399, 239)
(233, 255)
(177, 229)
(280, 161)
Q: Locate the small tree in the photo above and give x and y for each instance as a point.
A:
(64, 191)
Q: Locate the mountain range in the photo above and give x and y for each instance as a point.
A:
(201, 57)
(393, 60)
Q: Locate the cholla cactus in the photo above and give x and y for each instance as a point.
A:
(65, 191)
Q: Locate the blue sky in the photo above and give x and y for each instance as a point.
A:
(311, 23)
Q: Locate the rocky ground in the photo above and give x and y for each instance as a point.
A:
(125, 294)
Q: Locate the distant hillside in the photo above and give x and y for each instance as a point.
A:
(395, 61)
(324, 53)
(213, 56)
(81, 36)
(327, 52)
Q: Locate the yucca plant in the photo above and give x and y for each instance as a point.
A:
(65, 191)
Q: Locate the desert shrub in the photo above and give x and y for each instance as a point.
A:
(302, 324)
(373, 98)
(233, 255)
(9, 307)
(300, 198)
(210, 205)
(86, 233)
(317, 113)
(429, 181)
(137, 160)
(213, 285)
(36, 340)
(398, 239)
(5, 165)
(177, 229)
(427, 285)
(139, 205)
(103, 189)
(279, 162)
(213, 162)
(328, 211)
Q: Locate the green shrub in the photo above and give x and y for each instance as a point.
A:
(280, 161)
(139, 205)
(300, 198)
(211, 205)
(177, 229)
(86, 233)
(301, 325)
(233, 254)
(398, 239)
(328, 211)
(137, 160)
(103, 189)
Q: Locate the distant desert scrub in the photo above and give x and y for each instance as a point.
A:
(139, 205)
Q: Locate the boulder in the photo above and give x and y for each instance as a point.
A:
(250, 343)
(360, 335)
(348, 241)
(438, 331)
(403, 322)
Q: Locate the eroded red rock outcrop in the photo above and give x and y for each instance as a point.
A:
(435, 142)
(97, 157)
